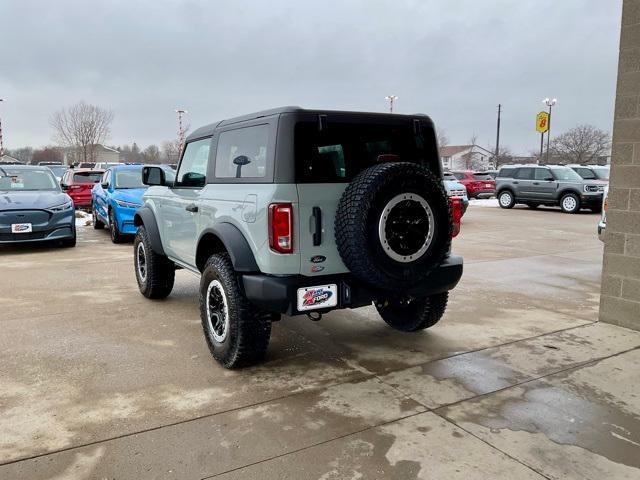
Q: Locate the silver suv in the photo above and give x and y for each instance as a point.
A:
(553, 185)
(293, 211)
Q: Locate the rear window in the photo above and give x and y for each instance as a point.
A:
(87, 177)
(482, 176)
(342, 150)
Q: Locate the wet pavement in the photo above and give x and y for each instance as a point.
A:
(517, 381)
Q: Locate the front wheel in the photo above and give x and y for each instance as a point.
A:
(114, 231)
(155, 273)
(570, 203)
(236, 331)
(506, 199)
(413, 314)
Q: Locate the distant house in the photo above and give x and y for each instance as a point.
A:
(100, 154)
(8, 159)
(466, 157)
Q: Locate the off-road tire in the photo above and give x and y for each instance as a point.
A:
(248, 329)
(358, 219)
(502, 199)
(97, 224)
(564, 208)
(160, 271)
(418, 314)
(114, 232)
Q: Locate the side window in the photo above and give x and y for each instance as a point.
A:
(524, 174)
(192, 171)
(543, 174)
(242, 153)
(506, 172)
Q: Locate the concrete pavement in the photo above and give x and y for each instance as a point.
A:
(517, 381)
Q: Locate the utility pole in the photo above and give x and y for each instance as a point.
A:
(498, 134)
(391, 99)
(549, 103)
(1, 143)
(180, 113)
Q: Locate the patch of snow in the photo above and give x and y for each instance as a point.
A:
(83, 219)
(484, 202)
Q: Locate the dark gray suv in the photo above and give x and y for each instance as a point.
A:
(553, 185)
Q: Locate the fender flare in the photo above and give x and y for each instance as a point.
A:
(235, 244)
(144, 216)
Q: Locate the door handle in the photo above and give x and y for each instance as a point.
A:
(536, 183)
(191, 208)
(317, 226)
(515, 183)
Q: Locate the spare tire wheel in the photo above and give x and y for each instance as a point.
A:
(393, 225)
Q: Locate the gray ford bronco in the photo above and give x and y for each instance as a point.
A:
(292, 211)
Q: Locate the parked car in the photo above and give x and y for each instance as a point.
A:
(104, 165)
(478, 184)
(116, 198)
(455, 189)
(602, 224)
(86, 165)
(33, 208)
(592, 172)
(553, 185)
(78, 184)
(58, 171)
(293, 211)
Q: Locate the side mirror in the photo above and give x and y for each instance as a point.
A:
(154, 176)
(104, 185)
(64, 186)
(550, 179)
(240, 162)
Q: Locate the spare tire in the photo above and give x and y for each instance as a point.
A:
(393, 225)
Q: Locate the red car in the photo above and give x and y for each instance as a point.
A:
(479, 184)
(78, 182)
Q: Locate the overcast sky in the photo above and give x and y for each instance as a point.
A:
(452, 59)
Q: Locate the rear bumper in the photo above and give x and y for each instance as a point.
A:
(279, 294)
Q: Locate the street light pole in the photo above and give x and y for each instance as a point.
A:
(180, 113)
(1, 142)
(549, 103)
(391, 99)
(498, 134)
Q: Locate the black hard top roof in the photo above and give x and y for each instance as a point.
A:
(208, 130)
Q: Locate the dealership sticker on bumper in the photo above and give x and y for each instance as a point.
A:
(21, 228)
(322, 296)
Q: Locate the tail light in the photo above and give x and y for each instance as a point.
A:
(456, 215)
(281, 227)
(74, 187)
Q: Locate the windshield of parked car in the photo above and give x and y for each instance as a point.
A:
(129, 179)
(601, 172)
(87, 177)
(27, 180)
(565, 174)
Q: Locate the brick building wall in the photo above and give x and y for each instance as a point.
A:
(620, 299)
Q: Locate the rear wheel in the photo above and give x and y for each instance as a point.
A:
(236, 331)
(155, 273)
(506, 199)
(114, 231)
(409, 314)
(570, 203)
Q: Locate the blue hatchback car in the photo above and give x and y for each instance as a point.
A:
(116, 198)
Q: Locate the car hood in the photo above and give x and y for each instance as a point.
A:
(12, 200)
(131, 195)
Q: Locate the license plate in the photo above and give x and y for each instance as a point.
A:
(21, 228)
(321, 296)
(488, 185)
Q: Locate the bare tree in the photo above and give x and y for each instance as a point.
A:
(505, 155)
(441, 135)
(151, 154)
(171, 151)
(81, 128)
(582, 144)
(468, 158)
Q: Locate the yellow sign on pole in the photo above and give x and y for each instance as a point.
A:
(542, 122)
